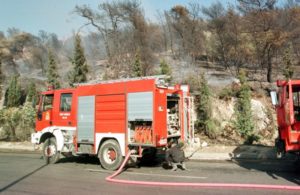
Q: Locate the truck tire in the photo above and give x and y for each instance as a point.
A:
(50, 153)
(110, 155)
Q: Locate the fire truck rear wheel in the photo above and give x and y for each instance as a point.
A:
(50, 153)
(110, 155)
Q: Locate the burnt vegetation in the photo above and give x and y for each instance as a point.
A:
(261, 36)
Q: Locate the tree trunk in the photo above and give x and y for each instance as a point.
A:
(13, 134)
(269, 67)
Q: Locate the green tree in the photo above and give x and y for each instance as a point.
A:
(137, 66)
(204, 109)
(288, 69)
(80, 69)
(244, 121)
(32, 94)
(52, 74)
(14, 93)
(26, 125)
(165, 69)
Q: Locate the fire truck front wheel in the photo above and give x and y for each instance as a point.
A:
(110, 155)
(50, 153)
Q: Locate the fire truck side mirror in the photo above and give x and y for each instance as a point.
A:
(39, 115)
(274, 98)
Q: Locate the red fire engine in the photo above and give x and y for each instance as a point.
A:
(109, 118)
(287, 102)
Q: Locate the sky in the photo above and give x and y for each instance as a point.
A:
(57, 16)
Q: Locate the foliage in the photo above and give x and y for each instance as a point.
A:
(288, 69)
(26, 126)
(14, 93)
(244, 122)
(185, 24)
(124, 31)
(18, 122)
(32, 94)
(11, 118)
(204, 109)
(52, 74)
(80, 66)
(227, 93)
(165, 69)
(137, 66)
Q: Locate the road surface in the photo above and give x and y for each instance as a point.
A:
(26, 173)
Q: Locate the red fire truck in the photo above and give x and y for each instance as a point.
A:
(109, 118)
(287, 102)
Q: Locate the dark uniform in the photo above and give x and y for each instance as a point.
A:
(175, 156)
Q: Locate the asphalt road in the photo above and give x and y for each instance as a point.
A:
(26, 173)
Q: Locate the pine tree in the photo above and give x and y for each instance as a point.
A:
(80, 69)
(288, 70)
(13, 93)
(244, 122)
(137, 66)
(165, 69)
(32, 94)
(204, 109)
(52, 74)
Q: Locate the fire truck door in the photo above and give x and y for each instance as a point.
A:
(66, 117)
(44, 114)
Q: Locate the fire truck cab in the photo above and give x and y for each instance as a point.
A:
(287, 103)
(109, 118)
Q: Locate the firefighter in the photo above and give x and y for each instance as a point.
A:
(175, 156)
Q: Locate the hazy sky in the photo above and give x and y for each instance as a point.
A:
(57, 15)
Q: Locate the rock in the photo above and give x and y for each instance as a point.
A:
(260, 118)
(204, 144)
(223, 110)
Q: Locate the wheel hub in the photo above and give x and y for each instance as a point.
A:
(112, 154)
(50, 150)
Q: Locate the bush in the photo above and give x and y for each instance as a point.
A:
(18, 123)
(211, 129)
(244, 122)
(165, 69)
(11, 119)
(204, 110)
(27, 122)
(227, 94)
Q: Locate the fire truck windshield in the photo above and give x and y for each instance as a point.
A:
(47, 102)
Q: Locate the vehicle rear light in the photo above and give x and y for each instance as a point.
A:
(161, 141)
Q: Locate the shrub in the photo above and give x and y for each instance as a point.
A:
(165, 69)
(204, 109)
(227, 94)
(11, 119)
(27, 122)
(244, 122)
(211, 129)
(18, 123)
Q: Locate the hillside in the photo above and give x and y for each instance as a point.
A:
(219, 42)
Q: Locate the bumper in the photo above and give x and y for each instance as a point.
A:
(35, 138)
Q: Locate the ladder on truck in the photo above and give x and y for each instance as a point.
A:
(189, 107)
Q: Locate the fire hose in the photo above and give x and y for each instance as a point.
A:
(111, 178)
